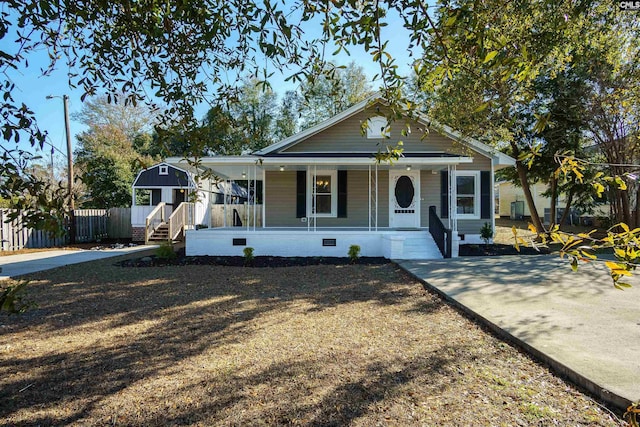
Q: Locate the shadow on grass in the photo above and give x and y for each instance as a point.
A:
(154, 319)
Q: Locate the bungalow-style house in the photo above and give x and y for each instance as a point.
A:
(321, 191)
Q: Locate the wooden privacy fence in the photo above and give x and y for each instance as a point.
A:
(119, 223)
(91, 225)
(13, 236)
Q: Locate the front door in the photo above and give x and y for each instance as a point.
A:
(404, 199)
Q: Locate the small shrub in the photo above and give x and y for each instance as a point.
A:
(486, 233)
(248, 255)
(11, 299)
(354, 253)
(165, 251)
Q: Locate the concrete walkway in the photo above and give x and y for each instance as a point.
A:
(578, 323)
(17, 265)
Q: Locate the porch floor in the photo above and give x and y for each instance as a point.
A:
(316, 229)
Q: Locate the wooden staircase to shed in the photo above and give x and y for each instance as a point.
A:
(159, 229)
(160, 233)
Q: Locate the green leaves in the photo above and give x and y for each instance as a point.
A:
(490, 56)
(12, 298)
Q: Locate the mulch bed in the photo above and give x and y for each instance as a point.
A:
(499, 249)
(239, 261)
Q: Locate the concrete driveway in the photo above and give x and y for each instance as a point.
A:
(578, 322)
(17, 265)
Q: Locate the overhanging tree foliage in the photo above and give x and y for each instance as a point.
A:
(182, 53)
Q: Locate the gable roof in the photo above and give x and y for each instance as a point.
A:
(175, 177)
(499, 158)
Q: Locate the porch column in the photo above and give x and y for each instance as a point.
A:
(369, 197)
(224, 209)
(255, 195)
(309, 208)
(376, 196)
(247, 174)
(210, 205)
(493, 199)
(453, 200)
(264, 198)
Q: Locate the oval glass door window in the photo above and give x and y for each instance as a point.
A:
(404, 192)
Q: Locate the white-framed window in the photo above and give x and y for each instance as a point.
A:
(468, 194)
(164, 170)
(378, 128)
(148, 196)
(323, 193)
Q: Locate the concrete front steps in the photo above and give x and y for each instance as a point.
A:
(418, 245)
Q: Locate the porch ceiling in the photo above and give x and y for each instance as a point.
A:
(248, 167)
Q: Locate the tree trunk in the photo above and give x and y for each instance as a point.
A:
(626, 211)
(567, 206)
(526, 189)
(553, 183)
(636, 214)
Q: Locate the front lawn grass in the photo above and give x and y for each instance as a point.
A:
(358, 345)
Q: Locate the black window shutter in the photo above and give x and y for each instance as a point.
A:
(444, 194)
(485, 194)
(301, 194)
(342, 194)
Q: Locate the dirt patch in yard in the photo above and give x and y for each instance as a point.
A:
(318, 345)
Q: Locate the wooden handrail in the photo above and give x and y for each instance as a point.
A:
(179, 219)
(151, 219)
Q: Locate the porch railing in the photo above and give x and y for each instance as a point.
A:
(181, 217)
(248, 214)
(440, 233)
(153, 221)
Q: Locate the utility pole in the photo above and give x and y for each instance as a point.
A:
(72, 219)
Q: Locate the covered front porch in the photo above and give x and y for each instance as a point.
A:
(319, 206)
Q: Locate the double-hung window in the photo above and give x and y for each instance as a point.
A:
(323, 192)
(468, 194)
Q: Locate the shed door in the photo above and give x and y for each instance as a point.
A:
(404, 199)
(178, 197)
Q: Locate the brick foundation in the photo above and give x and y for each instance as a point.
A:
(137, 234)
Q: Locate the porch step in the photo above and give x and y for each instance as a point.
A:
(420, 245)
(160, 234)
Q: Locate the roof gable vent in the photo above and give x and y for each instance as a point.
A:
(378, 128)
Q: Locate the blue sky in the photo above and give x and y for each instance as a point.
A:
(32, 88)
